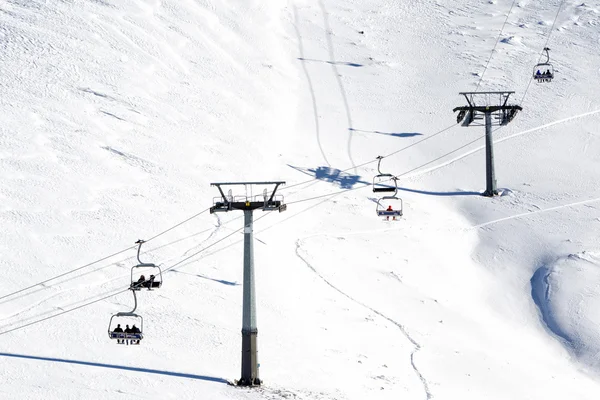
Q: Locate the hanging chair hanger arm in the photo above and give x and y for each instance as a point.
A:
(139, 242)
(379, 164)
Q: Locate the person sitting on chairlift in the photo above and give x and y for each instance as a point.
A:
(150, 281)
(548, 73)
(126, 331)
(135, 330)
(538, 73)
(140, 282)
(387, 218)
(118, 329)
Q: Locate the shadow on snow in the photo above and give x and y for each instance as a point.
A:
(347, 64)
(394, 134)
(540, 292)
(224, 282)
(121, 367)
(439, 193)
(333, 175)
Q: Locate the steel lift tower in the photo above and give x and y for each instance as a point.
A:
(493, 108)
(248, 203)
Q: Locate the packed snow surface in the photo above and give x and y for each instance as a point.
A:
(117, 116)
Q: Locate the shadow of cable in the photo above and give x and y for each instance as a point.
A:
(439, 193)
(122, 367)
(224, 282)
(394, 134)
(345, 63)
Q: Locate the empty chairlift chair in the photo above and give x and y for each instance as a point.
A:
(383, 182)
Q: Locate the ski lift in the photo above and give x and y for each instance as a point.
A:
(390, 206)
(544, 72)
(381, 182)
(154, 272)
(135, 334)
(131, 320)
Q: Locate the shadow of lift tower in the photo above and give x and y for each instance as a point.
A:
(483, 106)
(248, 203)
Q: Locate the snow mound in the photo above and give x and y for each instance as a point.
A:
(514, 40)
(566, 292)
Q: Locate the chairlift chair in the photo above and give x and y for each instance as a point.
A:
(154, 279)
(381, 181)
(544, 72)
(150, 281)
(123, 318)
(386, 202)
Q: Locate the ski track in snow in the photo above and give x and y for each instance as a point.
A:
(577, 203)
(311, 88)
(336, 74)
(415, 344)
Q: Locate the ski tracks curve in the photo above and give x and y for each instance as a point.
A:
(416, 345)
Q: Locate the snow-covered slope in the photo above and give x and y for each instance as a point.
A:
(118, 115)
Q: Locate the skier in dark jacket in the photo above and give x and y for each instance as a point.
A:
(118, 329)
(127, 331)
(136, 330)
(140, 282)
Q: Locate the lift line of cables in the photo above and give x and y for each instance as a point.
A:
(201, 212)
(101, 259)
(198, 214)
(120, 291)
(239, 230)
(375, 159)
(195, 253)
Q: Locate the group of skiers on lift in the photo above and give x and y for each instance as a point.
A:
(142, 282)
(133, 330)
(541, 75)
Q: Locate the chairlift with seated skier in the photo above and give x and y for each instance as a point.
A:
(126, 328)
(390, 206)
(544, 72)
(152, 271)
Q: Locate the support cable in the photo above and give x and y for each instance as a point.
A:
(124, 290)
(101, 259)
(375, 159)
(545, 46)
(496, 44)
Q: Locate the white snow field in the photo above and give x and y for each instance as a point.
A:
(117, 115)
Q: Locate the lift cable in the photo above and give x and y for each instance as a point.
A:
(375, 159)
(496, 44)
(545, 46)
(101, 259)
